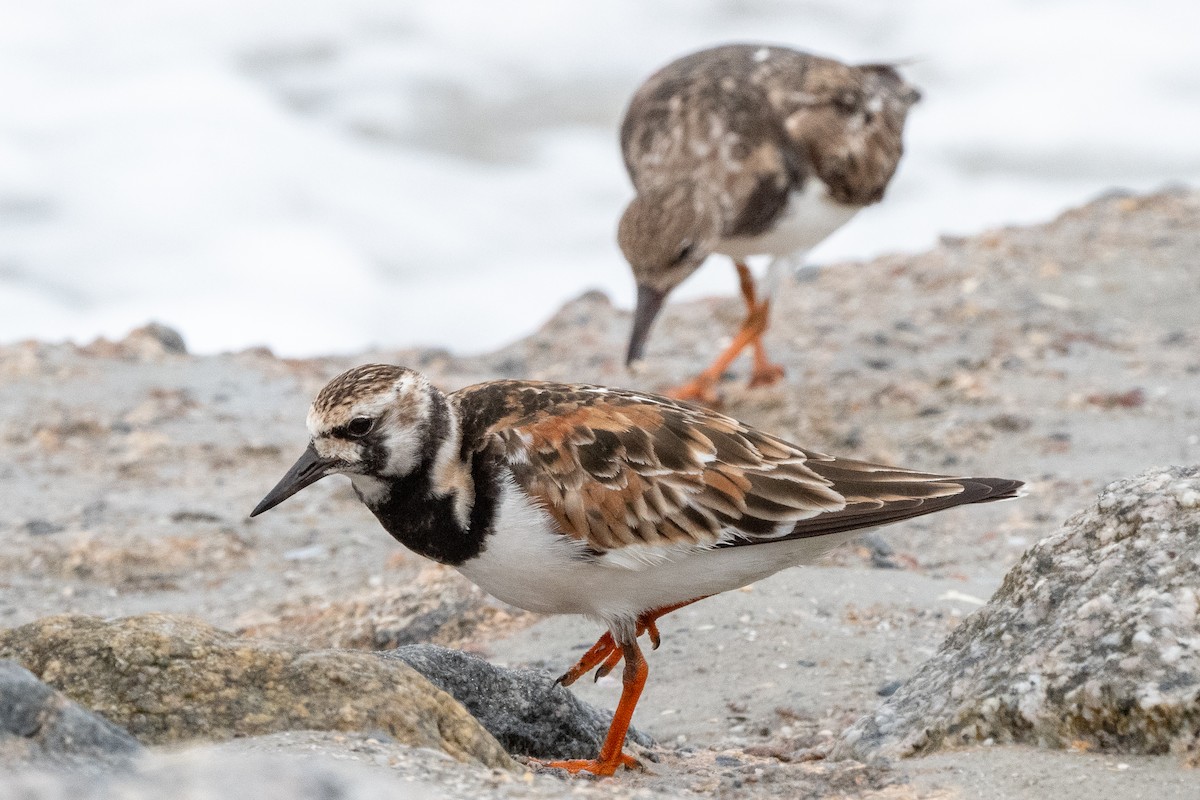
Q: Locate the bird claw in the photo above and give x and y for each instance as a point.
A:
(652, 632)
(610, 663)
(696, 391)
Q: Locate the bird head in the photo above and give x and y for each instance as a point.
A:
(375, 423)
(851, 120)
(665, 234)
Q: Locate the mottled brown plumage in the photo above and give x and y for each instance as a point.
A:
(751, 149)
(618, 468)
(750, 121)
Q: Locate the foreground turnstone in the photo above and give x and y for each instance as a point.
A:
(573, 499)
(750, 150)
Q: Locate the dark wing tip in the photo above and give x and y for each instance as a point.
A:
(975, 490)
(989, 490)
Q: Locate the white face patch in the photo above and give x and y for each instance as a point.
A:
(403, 446)
(371, 490)
(338, 449)
(401, 429)
(313, 422)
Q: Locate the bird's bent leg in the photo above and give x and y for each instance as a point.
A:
(598, 654)
(701, 388)
(765, 371)
(611, 756)
(606, 655)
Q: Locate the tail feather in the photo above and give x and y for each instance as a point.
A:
(873, 514)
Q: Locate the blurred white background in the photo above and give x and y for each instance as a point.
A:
(323, 177)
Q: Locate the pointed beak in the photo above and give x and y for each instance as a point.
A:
(649, 302)
(309, 469)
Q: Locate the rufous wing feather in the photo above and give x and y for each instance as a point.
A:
(617, 468)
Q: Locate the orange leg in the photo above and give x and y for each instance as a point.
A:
(606, 655)
(765, 372)
(758, 314)
(611, 756)
(701, 388)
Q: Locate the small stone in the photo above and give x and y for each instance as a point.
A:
(42, 527)
(167, 337)
(38, 724)
(1011, 423)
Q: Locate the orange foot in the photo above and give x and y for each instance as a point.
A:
(766, 373)
(592, 765)
(700, 390)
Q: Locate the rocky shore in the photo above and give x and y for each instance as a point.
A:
(152, 636)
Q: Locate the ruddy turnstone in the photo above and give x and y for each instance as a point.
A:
(750, 150)
(574, 499)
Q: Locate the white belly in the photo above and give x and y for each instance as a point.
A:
(810, 217)
(528, 564)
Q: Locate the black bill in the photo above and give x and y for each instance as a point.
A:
(649, 302)
(309, 469)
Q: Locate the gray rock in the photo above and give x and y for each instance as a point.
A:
(1093, 640)
(38, 724)
(164, 336)
(174, 679)
(883, 555)
(524, 709)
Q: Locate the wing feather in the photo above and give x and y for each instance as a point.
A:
(620, 468)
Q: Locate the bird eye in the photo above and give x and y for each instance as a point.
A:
(685, 252)
(360, 427)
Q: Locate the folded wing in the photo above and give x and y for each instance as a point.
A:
(618, 468)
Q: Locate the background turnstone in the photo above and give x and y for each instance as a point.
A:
(746, 150)
(574, 499)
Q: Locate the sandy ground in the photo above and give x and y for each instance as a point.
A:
(1065, 354)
